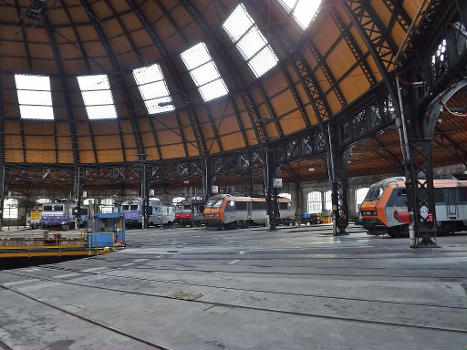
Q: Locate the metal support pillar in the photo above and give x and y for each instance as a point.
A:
(337, 167)
(78, 183)
(207, 165)
(3, 190)
(270, 171)
(145, 180)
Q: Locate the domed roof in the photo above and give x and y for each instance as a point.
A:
(177, 79)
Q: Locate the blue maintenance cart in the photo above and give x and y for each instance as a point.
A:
(108, 230)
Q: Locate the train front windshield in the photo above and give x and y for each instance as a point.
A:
(134, 207)
(374, 193)
(214, 203)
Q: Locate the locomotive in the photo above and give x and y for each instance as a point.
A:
(159, 213)
(63, 215)
(189, 212)
(384, 209)
(226, 210)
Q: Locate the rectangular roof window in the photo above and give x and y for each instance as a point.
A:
(34, 96)
(204, 73)
(153, 89)
(249, 40)
(302, 11)
(97, 96)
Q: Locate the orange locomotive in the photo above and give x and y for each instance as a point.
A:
(384, 209)
(228, 210)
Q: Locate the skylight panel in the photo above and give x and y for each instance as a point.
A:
(249, 40)
(153, 89)
(302, 11)
(34, 96)
(97, 96)
(204, 72)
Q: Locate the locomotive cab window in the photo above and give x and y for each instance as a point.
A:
(240, 205)
(58, 207)
(258, 205)
(283, 206)
(439, 195)
(462, 194)
(125, 207)
(47, 208)
(134, 207)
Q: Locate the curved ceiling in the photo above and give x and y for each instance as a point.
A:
(71, 38)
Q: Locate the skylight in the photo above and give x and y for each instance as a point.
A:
(97, 96)
(302, 11)
(251, 43)
(153, 89)
(204, 72)
(34, 97)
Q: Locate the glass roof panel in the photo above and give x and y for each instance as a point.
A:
(203, 70)
(195, 56)
(305, 11)
(204, 74)
(32, 82)
(93, 82)
(148, 74)
(37, 98)
(213, 90)
(153, 105)
(34, 96)
(287, 4)
(251, 43)
(101, 112)
(36, 112)
(153, 90)
(238, 23)
(97, 98)
(263, 61)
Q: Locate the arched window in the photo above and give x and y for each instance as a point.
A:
(359, 197)
(10, 208)
(314, 204)
(328, 200)
(285, 195)
(178, 200)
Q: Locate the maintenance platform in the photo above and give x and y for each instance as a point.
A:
(293, 288)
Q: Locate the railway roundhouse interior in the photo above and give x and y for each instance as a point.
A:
(226, 174)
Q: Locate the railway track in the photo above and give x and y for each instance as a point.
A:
(210, 304)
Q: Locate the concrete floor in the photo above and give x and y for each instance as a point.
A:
(296, 288)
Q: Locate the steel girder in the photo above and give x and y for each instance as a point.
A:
(367, 117)
(398, 11)
(353, 47)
